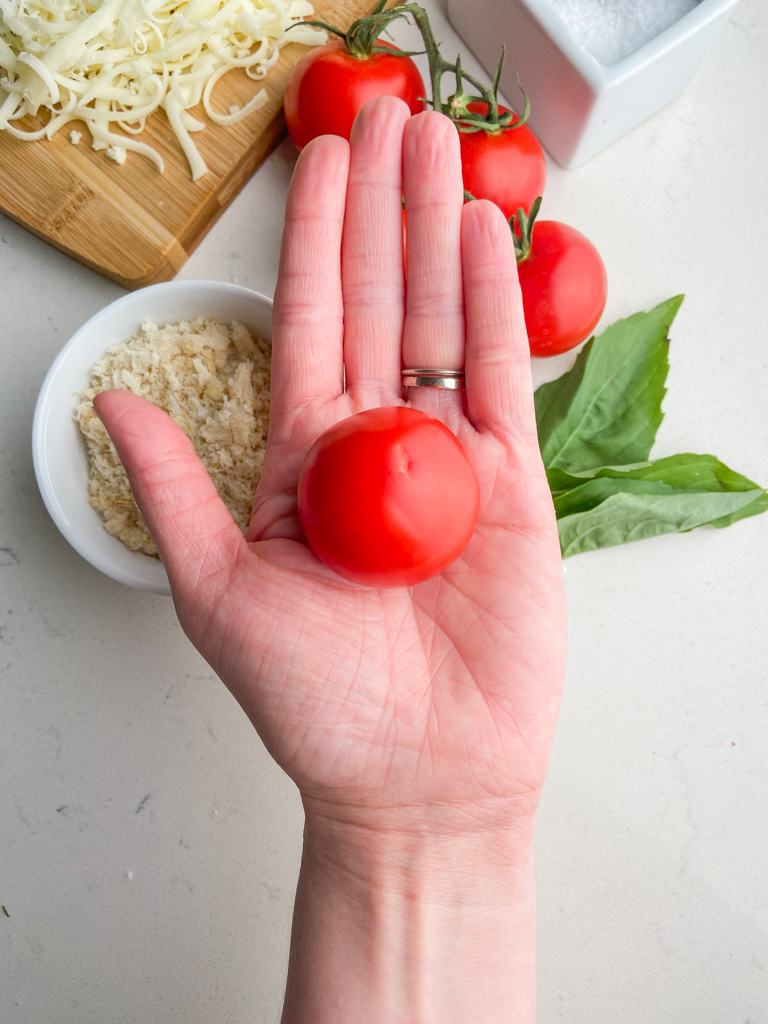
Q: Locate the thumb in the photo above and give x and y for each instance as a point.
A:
(197, 538)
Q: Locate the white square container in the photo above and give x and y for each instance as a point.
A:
(578, 106)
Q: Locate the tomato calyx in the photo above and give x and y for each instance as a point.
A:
(493, 121)
(521, 226)
(360, 38)
(523, 236)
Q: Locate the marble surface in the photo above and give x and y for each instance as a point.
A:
(148, 845)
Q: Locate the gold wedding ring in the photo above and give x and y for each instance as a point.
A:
(452, 380)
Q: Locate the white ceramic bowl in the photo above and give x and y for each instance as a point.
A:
(578, 106)
(58, 448)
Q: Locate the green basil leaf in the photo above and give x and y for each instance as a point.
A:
(686, 472)
(559, 481)
(594, 492)
(606, 410)
(755, 508)
(635, 513)
(597, 425)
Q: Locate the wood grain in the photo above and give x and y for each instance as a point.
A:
(129, 222)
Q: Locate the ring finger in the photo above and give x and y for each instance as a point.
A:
(433, 335)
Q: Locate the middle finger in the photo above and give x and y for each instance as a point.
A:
(372, 253)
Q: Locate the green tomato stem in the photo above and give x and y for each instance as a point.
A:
(524, 243)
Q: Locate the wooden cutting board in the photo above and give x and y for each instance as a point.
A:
(129, 222)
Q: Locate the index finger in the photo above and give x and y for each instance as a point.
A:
(307, 323)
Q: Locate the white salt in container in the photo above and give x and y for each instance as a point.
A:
(578, 104)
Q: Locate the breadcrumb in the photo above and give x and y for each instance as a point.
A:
(213, 380)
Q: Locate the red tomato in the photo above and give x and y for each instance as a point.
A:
(564, 288)
(328, 87)
(388, 497)
(507, 167)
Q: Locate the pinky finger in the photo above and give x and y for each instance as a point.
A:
(497, 359)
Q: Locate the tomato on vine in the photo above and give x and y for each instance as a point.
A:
(507, 166)
(501, 158)
(331, 83)
(562, 280)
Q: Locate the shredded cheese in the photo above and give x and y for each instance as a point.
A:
(113, 63)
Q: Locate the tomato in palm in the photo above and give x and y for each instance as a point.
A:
(329, 85)
(564, 288)
(388, 497)
(508, 167)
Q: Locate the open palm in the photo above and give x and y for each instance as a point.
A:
(432, 703)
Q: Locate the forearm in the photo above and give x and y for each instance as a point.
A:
(413, 929)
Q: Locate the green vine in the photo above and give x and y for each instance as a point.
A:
(456, 106)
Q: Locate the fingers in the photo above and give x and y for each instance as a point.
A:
(307, 321)
(498, 363)
(433, 336)
(372, 262)
(197, 538)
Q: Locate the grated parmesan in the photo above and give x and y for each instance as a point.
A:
(115, 62)
(213, 380)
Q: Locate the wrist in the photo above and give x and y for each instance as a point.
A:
(414, 926)
(419, 857)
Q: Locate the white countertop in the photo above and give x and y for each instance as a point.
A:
(148, 845)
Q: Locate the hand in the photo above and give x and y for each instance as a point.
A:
(421, 711)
